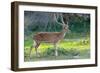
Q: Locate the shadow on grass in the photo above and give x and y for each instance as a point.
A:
(63, 54)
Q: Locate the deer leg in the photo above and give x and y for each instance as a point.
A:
(56, 50)
(30, 51)
(36, 47)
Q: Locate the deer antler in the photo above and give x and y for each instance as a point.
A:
(55, 18)
(62, 20)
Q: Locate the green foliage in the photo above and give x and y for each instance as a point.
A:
(44, 22)
(67, 49)
(79, 24)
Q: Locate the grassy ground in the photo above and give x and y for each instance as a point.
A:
(67, 49)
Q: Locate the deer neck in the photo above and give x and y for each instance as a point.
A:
(63, 32)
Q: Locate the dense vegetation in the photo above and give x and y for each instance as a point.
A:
(76, 43)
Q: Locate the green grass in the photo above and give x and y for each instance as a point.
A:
(67, 49)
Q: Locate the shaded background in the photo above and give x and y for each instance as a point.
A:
(44, 21)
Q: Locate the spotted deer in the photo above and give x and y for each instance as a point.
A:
(50, 37)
